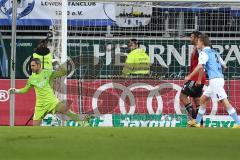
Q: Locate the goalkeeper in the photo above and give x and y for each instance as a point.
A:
(46, 101)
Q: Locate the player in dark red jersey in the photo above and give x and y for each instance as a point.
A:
(193, 87)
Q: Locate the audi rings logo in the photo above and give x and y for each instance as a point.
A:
(153, 92)
(4, 96)
(127, 91)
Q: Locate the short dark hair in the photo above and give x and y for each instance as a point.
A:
(205, 39)
(135, 41)
(42, 44)
(36, 60)
(196, 33)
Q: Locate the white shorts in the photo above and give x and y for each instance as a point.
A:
(216, 89)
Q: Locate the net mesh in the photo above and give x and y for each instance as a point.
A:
(163, 30)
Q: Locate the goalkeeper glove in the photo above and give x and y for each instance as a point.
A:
(13, 91)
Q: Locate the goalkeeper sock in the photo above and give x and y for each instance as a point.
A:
(190, 110)
(232, 112)
(201, 112)
(75, 117)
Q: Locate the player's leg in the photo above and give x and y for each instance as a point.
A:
(37, 122)
(188, 105)
(222, 97)
(39, 114)
(202, 108)
(216, 87)
(184, 98)
(196, 98)
(197, 94)
(231, 111)
(197, 103)
(64, 107)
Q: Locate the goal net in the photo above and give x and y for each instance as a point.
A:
(97, 39)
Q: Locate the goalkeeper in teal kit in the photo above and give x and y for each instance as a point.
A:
(46, 101)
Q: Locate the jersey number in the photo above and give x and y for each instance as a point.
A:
(217, 58)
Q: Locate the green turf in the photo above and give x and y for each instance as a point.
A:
(63, 143)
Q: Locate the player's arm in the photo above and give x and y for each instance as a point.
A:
(61, 71)
(200, 75)
(202, 59)
(223, 64)
(194, 72)
(25, 89)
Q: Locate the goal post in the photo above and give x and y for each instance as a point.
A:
(13, 62)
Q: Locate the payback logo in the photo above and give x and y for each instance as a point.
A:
(24, 7)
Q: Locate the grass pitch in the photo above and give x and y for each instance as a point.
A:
(69, 143)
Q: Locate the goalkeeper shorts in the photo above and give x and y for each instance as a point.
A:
(42, 110)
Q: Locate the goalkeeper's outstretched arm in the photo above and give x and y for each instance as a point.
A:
(60, 72)
(25, 89)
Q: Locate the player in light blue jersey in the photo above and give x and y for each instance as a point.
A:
(211, 61)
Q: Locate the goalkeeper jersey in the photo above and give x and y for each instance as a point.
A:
(42, 83)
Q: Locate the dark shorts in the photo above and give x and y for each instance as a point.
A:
(190, 89)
